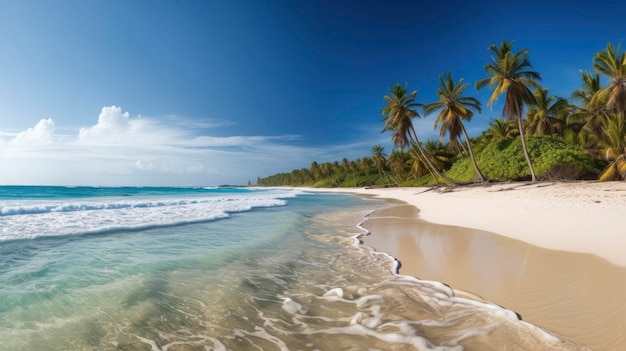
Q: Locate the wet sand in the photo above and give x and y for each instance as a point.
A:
(558, 258)
(579, 296)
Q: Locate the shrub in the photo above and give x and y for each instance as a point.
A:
(552, 159)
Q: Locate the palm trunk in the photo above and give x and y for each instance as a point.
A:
(530, 164)
(381, 174)
(422, 158)
(430, 164)
(471, 152)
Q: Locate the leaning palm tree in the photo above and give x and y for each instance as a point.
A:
(612, 64)
(547, 114)
(454, 109)
(511, 75)
(401, 108)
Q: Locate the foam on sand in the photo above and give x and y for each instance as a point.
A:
(574, 216)
(570, 284)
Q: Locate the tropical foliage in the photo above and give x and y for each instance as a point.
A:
(540, 137)
(504, 160)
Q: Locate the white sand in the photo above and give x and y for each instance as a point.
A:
(574, 216)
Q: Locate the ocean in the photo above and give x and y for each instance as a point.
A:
(132, 268)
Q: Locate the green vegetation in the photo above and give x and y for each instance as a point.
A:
(553, 140)
(553, 159)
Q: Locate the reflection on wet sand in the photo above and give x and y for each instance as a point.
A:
(580, 296)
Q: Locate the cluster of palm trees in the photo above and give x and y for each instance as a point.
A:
(595, 123)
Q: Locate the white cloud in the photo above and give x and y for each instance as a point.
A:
(120, 149)
(115, 127)
(40, 134)
(111, 121)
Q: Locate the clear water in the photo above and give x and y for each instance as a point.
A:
(220, 269)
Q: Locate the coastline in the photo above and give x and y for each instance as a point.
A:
(562, 271)
(584, 217)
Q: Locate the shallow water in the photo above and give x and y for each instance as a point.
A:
(211, 271)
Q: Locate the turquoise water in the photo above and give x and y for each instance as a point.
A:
(217, 269)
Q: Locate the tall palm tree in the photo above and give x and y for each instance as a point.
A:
(545, 116)
(612, 64)
(401, 108)
(512, 75)
(454, 109)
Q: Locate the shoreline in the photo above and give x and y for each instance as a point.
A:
(583, 217)
(548, 251)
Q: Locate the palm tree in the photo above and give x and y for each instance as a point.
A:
(591, 85)
(399, 112)
(615, 147)
(586, 121)
(328, 170)
(316, 170)
(380, 158)
(345, 164)
(511, 75)
(417, 165)
(364, 165)
(613, 65)
(397, 161)
(545, 116)
(499, 129)
(440, 154)
(454, 109)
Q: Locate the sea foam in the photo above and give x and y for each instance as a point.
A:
(29, 219)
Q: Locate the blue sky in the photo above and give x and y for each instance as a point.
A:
(214, 92)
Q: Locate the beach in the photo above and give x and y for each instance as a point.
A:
(282, 269)
(552, 252)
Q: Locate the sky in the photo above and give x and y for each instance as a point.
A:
(193, 93)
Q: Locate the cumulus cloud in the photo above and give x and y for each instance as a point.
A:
(121, 149)
(40, 134)
(114, 126)
(110, 121)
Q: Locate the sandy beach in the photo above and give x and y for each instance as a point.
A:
(553, 252)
